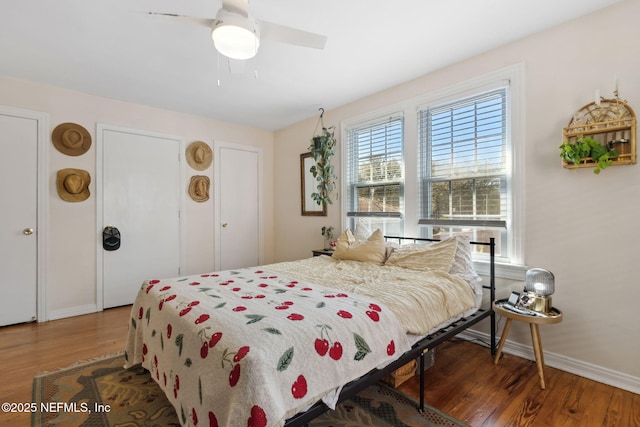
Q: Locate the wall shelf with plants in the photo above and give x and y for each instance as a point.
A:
(600, 134)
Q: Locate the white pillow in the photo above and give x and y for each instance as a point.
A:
(436, 256)
(361, 232)
(463, 264)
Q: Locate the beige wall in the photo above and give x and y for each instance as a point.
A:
(581, 226)
(70, 272)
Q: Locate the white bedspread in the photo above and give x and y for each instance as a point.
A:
(252, 347)
(420, 300)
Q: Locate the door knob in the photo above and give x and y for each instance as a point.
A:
(225, 224)
(27, 231)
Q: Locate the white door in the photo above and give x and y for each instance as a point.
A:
(238, 201)
(18, 223)
(141, 196)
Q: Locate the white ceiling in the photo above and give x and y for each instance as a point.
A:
(113, 48)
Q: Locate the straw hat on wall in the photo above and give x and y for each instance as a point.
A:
(73, 184)
(199, 155)
(71, 139)
(199, 188)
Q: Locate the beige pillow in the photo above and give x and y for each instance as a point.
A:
(436, 256)
(371, 250)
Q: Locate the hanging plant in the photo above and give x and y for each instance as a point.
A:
(322, 149)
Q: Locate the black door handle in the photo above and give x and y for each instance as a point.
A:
(111, 238)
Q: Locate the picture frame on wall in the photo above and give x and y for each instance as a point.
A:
(308, 186)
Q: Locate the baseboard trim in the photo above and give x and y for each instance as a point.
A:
(73, 311)
(564, 363)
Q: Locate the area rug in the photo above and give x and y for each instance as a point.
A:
(101, 393)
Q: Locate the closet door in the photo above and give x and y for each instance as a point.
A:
(141, 197)
(238, 207)
(18, 227)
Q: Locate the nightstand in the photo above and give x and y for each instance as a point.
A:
(318, 252)
(555, 316)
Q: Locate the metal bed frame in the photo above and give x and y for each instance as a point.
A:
(419, 349)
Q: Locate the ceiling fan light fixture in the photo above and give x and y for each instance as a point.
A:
(235, 36)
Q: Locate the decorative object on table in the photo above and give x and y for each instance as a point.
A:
(199, 155)
(539, 285)
(71, 139)
(199, 188)
(73, 184)
(327, 233)
(104, 384)
(322, 150)
(600, 134)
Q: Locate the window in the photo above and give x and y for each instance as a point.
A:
(375, 177)
(463, 160)
(449, 161)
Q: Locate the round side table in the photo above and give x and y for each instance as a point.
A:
(555, 316)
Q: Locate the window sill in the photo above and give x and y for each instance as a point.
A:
(503, 271)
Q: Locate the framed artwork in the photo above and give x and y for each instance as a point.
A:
(308, 186)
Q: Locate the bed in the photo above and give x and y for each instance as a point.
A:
(282, 343)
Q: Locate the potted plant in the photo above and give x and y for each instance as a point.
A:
(327, 233)
(588, 149)
(322, 149)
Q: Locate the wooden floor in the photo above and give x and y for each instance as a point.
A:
(464, 382)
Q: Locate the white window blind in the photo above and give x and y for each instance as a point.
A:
(375, 169)
(464, 163)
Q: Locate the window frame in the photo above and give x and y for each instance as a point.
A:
(512, 265)
(349, 189)
(501, 91)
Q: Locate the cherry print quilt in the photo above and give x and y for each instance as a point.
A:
(250, 347)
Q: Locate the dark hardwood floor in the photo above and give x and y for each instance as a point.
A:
(464, 382)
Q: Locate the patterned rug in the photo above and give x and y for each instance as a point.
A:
(101, 393)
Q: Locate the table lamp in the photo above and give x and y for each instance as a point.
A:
(540, 284)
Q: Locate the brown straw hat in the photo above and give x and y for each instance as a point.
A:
(73, 184)
(71, 139)
(199, 188)
(199, 155)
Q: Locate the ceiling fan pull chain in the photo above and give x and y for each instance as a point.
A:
(218, 65)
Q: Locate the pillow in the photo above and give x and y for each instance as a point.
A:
(436, 256)
(389, 248)
(463, 263)
(371, 250)
(361, 232)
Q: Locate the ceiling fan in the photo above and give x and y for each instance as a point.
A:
(238, 36)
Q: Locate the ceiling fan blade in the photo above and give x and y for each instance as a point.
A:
(283, 34)
(200, 21)
(240, 7)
